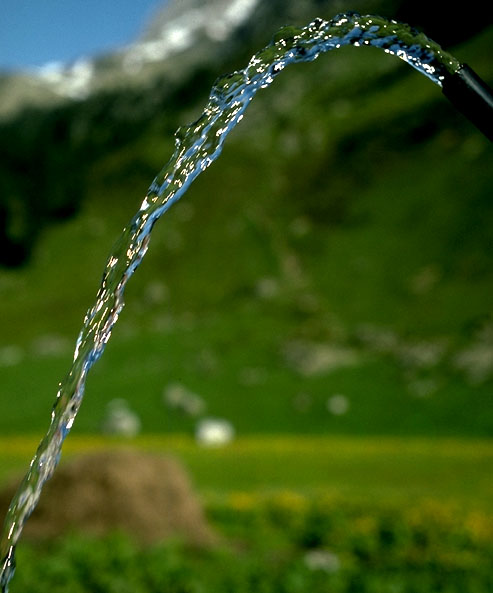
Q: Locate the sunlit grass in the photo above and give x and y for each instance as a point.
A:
(365, 470)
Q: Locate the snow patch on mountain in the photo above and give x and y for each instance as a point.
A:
(72, 81)
(177, 33)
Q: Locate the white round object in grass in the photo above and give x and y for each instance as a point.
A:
(11, 356)
(214, 432)
(338, 404)
(177, 396)
(322, 560)
(121, 420)
(267, 288)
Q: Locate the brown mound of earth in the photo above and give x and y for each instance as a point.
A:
(147, 496)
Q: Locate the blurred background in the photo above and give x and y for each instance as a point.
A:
(311, 332)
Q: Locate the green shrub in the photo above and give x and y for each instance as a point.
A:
(282, 543)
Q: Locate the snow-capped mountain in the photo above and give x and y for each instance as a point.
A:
(177, 28)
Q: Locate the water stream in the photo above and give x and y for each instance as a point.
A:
(197, 146)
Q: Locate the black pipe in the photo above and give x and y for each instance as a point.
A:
(472, 97)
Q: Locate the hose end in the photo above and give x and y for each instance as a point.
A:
(472, 97)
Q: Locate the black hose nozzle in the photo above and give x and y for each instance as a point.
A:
(472, 97)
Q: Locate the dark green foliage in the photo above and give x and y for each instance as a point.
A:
(41, 179)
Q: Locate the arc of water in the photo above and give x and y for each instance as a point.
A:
(197, 146)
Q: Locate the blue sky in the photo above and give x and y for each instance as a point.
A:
(34, 32)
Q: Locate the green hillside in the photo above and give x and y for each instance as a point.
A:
(340, 246)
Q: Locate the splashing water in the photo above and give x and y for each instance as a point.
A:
(197, 146)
